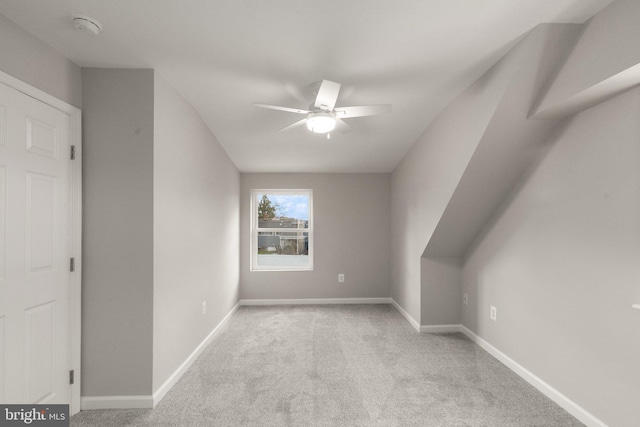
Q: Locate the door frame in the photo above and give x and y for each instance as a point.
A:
(75, 238)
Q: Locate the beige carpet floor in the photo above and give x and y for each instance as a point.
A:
(342, 365)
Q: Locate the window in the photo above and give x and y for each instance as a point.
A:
(281, 230)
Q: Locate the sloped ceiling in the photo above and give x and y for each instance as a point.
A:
(558, 70)
(222, 55)
(510, 145)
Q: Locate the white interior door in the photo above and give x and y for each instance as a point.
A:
(35, 227)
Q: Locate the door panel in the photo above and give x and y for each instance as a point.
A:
(42, 138)
(39, 355)
(35, 218)
(41, 222)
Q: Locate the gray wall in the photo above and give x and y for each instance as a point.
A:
(161, 232)
(441, 287)
(424, 181)
(558, 253)
(196, 231)
(117, 294)
(559, 259)
(463, 166)
(351, 226)
(560, 263)
(27, 58)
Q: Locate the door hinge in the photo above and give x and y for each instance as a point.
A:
(71, 376)
(73, 152)
(72, 264)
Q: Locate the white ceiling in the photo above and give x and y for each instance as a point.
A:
(222, 55)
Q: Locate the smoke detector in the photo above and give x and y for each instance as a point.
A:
(86, 24)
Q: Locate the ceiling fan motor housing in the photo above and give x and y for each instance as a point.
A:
(322, 116)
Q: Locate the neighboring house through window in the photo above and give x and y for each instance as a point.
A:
(281, 230)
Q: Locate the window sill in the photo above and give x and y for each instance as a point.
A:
(279, 269)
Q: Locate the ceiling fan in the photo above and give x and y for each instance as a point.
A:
(323, 116)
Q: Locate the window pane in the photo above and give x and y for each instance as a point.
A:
(282, 230)
(283, 248)
(283, 210)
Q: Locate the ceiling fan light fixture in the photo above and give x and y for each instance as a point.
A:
(321, 122)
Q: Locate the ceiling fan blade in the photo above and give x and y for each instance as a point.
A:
(327, 95)
(342, 126)
(293, 125)
(276, 107)
(362, 110)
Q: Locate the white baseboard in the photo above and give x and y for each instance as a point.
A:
(128, 402)
(406, 315)
(170, 382)
(125, 402)
(563, 401)
(439, 329)
(315, 301)
(115, 402)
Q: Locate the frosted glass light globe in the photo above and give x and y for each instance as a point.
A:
(321, 122)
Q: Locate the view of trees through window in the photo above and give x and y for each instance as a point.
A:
(266, 209)
(283, 232)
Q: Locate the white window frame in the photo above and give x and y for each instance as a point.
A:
(254, 230)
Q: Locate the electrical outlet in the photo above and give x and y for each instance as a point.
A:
(341, 278)
(494, 313)
(204, 307)
(465, 299)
